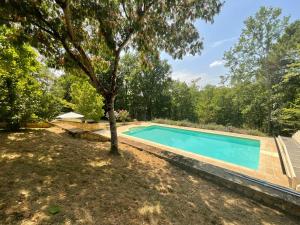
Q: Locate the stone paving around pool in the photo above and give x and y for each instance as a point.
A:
(270, 168)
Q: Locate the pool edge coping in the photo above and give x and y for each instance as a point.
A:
(192, 154)
(228, 165)
(265, 171)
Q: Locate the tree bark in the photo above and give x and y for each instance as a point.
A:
(112, 125)
(149, 113)
(270, 128)
(269, 85)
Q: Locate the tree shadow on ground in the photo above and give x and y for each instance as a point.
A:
(47, 177)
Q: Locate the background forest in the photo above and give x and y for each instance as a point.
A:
(261, 90)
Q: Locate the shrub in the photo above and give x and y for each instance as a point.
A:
(210, 126)
(116, 115)
(123, 115)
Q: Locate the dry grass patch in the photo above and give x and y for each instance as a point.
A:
(47, 177)
(102, 125)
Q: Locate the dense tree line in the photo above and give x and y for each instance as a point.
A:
(147, 90)
(261, 91)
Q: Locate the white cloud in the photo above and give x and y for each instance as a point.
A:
(185, 75)
(188, 76)
(220, 42)
(217, 63)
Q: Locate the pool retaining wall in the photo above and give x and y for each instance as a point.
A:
(269, 194)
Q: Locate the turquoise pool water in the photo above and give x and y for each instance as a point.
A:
(240, 151)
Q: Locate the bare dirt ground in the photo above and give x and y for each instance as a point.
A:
(47, 177)
(90, 126)
(84, 126)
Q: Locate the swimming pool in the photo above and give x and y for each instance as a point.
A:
(239, 151)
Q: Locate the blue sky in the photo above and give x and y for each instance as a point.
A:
(220, 36)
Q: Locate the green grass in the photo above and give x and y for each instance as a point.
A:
(54, 209)
(210, 126)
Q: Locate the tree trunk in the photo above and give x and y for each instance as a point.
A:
(112, 125)
(269, 85)
(270, 128)
(149, 113)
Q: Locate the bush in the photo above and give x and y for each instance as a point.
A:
(116, 115)
(210, 126)
(123, 115)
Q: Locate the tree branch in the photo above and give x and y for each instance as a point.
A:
(124, 9)
(141, 16)
(86, 64)
(132, 31)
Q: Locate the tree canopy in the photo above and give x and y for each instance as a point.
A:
(246, 58)
(92, 34)
(267, 94)
(19, 87)
(86, 101)
(106, 59)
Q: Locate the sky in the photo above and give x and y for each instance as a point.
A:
(220, 36)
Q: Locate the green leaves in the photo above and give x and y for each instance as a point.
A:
(183, 101)
(219, 105)
(288, 96)
(86, 100)
(24, 82)
(19, 88)
(144, 86)
(86, 30)
(92, 35)
(246, 58)
(265, 64)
